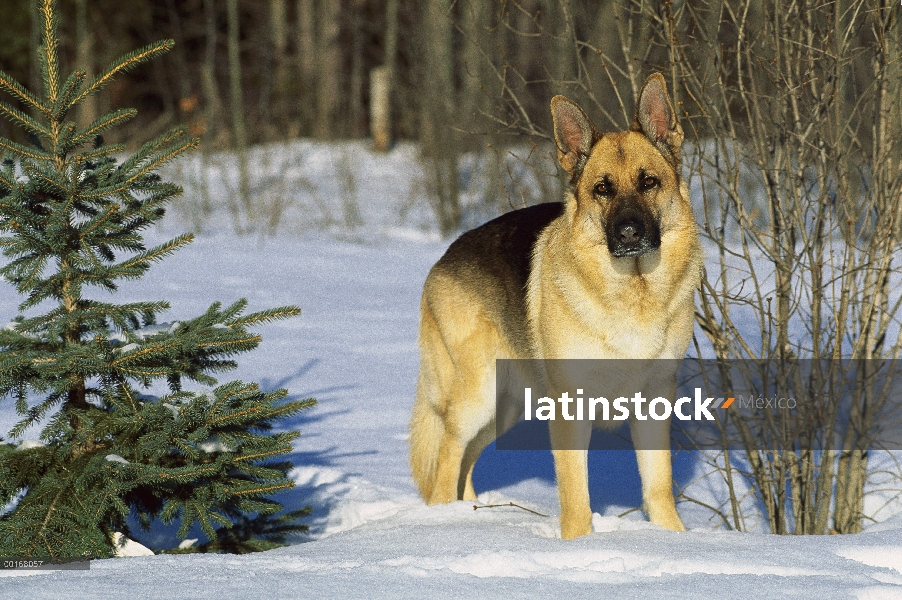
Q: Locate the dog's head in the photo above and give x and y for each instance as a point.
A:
(624, 183)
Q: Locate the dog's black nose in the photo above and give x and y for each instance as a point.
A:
(630, 231)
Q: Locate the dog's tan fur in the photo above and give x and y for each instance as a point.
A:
(542, 282)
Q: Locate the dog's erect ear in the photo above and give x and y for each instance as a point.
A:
(656, 119)
(574, 134)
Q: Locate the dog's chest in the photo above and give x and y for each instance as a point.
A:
(634, 326)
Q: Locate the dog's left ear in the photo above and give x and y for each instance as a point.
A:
(656, 119)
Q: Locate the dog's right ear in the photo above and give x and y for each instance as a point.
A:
(574, 133)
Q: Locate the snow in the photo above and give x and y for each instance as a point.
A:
(354, 349)
(126, 547)
(29, 444)
(214, 444)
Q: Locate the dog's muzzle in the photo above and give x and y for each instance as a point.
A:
(632, 232)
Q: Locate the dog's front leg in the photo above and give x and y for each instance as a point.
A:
(652, 441)
(570, 443)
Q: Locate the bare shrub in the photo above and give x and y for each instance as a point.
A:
(798, 97)
(794, 159)
(212, 182)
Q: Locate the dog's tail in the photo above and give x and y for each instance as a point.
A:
(426, 432)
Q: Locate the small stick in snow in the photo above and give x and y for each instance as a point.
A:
(510, 504)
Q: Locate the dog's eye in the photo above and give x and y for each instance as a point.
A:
(602, 189)
(649, 182)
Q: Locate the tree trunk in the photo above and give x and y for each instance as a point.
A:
(306, 32)
(380, 119)
(84, 59)
(236, 97)
(382, 83)
(179, 52)
(278, 19)
(237, 108)
(440, 142)
(213, 103)
(306, 63)
(355, 95)
(37, 29)
(328, 95)
(476, 19)
(561, 50)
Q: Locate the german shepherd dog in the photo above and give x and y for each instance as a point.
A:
(609, 273)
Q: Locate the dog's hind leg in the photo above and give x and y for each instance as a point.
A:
(456, 458)
(427, 424)
(485, 437)
(469, 417)
(459, 344)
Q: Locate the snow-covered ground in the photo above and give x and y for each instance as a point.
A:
(354, 349)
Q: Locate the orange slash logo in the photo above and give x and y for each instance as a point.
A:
(724, 403)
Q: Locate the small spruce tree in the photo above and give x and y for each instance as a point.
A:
(71, 216)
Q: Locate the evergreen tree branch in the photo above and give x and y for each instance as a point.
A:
(9, 183)
(64, 102)
(254, 339)
(154, 254)
(107, 121)
(22, 119)
(17, 90)
(231, 391)
(98, 221)
(133, 179)
(125, 63)
(260, 455)
(32, 267)
(21, 150)
(291, 409)
(138, 353)
(49, 56)
(257, 491)
(98, 153)
(47, 182)
(274, 314)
